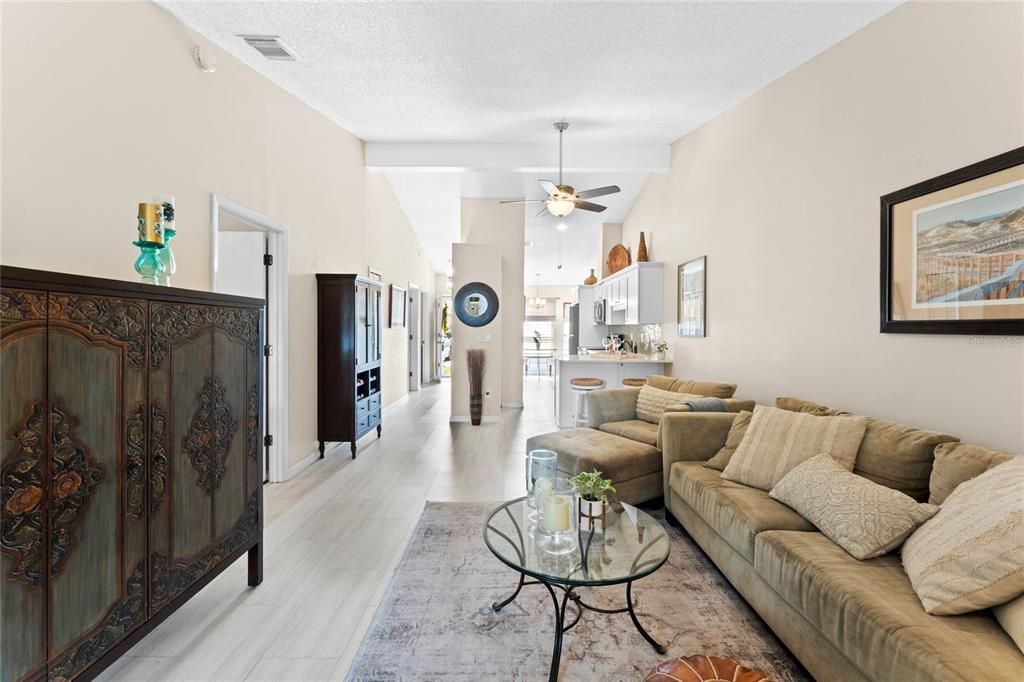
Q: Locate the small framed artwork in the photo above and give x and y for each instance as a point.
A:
(375, 275)
(693, 297)
(952, 256)
(397, 308)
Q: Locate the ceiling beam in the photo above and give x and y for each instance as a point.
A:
(519, 158)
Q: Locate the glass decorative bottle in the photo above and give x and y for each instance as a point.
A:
(148, 264)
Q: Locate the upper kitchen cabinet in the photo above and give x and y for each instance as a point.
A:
(635, 295)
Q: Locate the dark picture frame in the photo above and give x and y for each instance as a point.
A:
(396, 316)
(901, 313)
(692, 301)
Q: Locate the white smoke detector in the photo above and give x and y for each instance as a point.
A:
(205, 59)
(271, 47)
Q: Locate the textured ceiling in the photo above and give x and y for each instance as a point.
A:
(620, 72)
(503, 71)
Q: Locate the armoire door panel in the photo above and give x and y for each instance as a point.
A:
(190, 365)
(229, 498)
(97, 384)
(22, 454)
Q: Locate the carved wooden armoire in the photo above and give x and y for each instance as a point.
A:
(131, 429)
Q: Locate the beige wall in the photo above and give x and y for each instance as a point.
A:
(103, 107)
(485, 221)
(782, 194)
(478, 263)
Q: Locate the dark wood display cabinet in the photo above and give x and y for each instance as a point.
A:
(131, 429)
(348, 358)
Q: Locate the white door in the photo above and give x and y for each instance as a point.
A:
(240, 268)
(414, 337)
(425, 336)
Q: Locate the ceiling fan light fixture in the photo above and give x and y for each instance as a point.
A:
(560, 207)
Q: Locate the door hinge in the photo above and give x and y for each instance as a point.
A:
(268, 440)
(410, 373)
(268, 350)
(268, 259)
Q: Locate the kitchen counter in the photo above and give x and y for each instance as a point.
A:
(611, 368)
(612, 357)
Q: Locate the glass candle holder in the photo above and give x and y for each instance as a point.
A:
(557, 527)
(148, 263)
(540, 464)
(167, 257)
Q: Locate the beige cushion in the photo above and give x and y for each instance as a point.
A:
(898, 457)
(970, 556)
(808, 407)
(1011, 617)
(620, 459)
(705, 388)
(736, 512)
(736, 433)
(634, 429)
(862, 517)
(652, 402)
(778, 440)
(959, 462)
(869, 611)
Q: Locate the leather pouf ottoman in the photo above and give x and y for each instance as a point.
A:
(704, 669)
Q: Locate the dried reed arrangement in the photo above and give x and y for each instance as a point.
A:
(476, 360)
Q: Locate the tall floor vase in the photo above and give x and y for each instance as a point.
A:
(476, 409)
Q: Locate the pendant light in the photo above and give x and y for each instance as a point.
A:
(537, 303)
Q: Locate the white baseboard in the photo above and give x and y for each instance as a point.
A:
(512, 406)
(466, 420)
(307, 461)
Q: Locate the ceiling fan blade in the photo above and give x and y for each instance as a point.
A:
(523, 201)
(542, 211)
(549, 187)
(587, 206)
(598, 192)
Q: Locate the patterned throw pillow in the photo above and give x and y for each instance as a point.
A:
(864, 518)
(732, 441)
(777, 440)
(971, 555)
(651, 402)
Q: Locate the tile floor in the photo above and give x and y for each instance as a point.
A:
(334, 535)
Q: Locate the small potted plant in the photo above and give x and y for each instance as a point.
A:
(662, 348)
(591, 488)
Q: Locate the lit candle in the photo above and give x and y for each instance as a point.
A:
(556, 514)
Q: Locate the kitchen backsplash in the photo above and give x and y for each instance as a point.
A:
(646, 336)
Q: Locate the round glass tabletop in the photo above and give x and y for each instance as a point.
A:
(634, 544)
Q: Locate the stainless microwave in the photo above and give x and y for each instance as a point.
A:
(600, 311)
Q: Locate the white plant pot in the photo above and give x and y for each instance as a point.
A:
(591, 514)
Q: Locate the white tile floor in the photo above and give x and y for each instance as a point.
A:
(334, 535)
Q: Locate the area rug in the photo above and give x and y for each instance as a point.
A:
(435, 620)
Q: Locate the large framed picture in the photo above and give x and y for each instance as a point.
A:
(692, 297)
(397, 307)
(953, 252)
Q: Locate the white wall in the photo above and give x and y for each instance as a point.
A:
(486, 221)
(479, 263)
(782, 194)
(103, 107)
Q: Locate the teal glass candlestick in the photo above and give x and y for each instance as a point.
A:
(167, 257)
(148, 264)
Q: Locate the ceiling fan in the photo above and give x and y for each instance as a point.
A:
(562, 199)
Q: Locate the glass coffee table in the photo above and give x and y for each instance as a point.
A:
(633, 545)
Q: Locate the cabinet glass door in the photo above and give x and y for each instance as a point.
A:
(364, 318)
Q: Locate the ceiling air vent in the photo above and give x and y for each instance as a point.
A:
(271, 47)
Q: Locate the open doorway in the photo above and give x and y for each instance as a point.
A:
(443, 350)
(415, 355)
(249, 257)
(425, 364)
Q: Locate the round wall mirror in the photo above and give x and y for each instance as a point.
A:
(476, 304)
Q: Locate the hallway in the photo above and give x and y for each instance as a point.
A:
(334, 535)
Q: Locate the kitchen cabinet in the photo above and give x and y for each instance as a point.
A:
(636, 294)
(130, 464)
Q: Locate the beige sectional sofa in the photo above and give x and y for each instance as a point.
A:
(844, 619)
(626, 449)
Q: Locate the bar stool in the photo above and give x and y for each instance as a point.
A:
(581, 386)
(634, 383)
